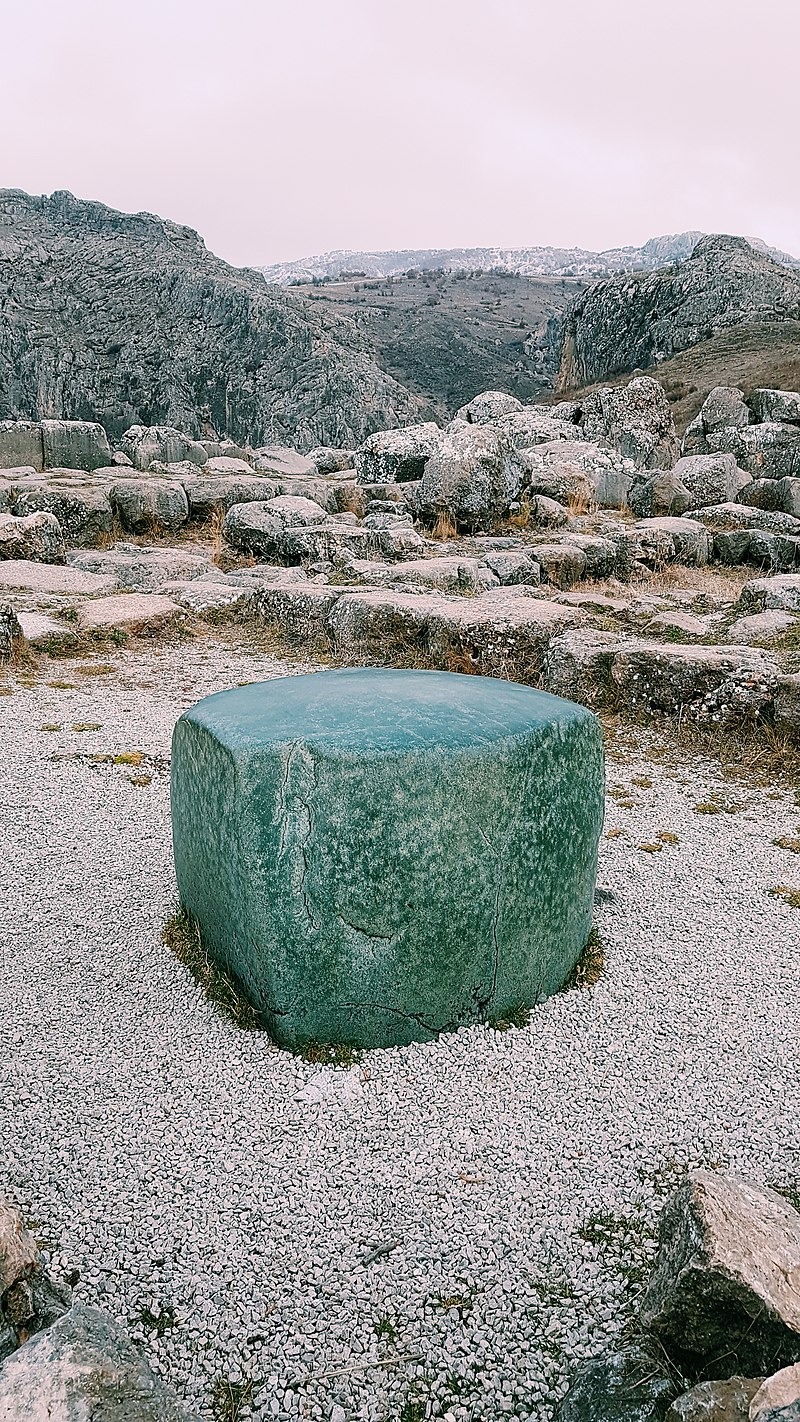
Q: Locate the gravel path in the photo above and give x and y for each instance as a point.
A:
(444, 1229)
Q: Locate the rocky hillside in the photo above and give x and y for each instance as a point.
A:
(129, 319)
(447, 335)
(524, 261)
(642, 320)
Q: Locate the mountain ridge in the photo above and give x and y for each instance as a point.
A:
(543, 261)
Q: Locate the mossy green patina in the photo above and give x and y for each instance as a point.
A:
(381, 855)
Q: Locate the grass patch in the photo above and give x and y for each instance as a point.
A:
(650, 847)
(86, 726)
(181, 934)
(518, 1016)
(667, 837)
(129, 758)
(590, 966)
(787, 893)
(708, 807)
(339, 1054)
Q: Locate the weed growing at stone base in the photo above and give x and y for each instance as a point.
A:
(330, 1053)
(229, 1399)
(181, 934)
(788, 841)
(589, 968)
(518, 1016)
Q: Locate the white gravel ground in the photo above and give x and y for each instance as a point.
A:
(186, 1172)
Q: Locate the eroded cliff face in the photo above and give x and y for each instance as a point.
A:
(128, 319)
(635, 321)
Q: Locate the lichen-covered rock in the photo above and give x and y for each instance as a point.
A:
(723, 408)
(710, 478)
(781, 406)
(148, 444)
(661, 496)
(290, 798)
(147, 505)
(36, 537)
(767, 451)
(207, 496)
(394, 456)
(778, 1398)
(277, 461)
(631, 1385)
(577, 471)
(488, 407)
(139, 569)
(533, 424)
(781, 592)
(331, 461)
(726, 1282)
(83, 1367)
(472, 478)
(635, 419)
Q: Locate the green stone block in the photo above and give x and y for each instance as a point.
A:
(379, 856)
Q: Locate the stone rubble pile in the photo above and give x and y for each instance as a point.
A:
(474, 545)
(721, 1310)
(61, 1361)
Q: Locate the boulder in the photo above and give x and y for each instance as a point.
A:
(632, 1385)
(769, 451)
(710, 479)
(488, 407)
(74, 444)
(83, 1367)
(662, 495)
(145, 444)
(577, 470)
(725, 1401)
(276, 461)
(225, 464)
(781, 592)
(546, 512)
(331, 461)
(635, 419)
(83, 510)
(732, 516)
(533, 424)
(127, 612)
(578, 664)
(29, 1300)
(759, 627)
(726, 1281)
(779, 495)
(775, 406)
(53, 579)
(333, 781)
(472, 478)
(778, 1398)
(295, 512)
(511, 567)
(393, 456)
(21, 444)
(560, 564)
(150, 505)
(207, 496)
(723, 408)
(260, 529)
(36, 537)
(19, 1253)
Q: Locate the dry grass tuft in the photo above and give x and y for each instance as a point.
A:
(589, 968)
(788, 841)
(181, 934)
(444, 528)
(790, 895)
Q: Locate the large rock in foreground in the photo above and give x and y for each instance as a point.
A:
(726, 1284)
(80, 1369)
(380, 855)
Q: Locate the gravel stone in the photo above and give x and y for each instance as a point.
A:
(184, 1179)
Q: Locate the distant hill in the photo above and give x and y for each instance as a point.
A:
(128, 318)
(523, 261)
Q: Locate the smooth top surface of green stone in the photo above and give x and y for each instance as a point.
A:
(379, 710)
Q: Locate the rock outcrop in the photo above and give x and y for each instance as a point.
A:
(636, 321)
(127, 319)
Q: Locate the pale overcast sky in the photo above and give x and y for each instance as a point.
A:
(283, 129)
